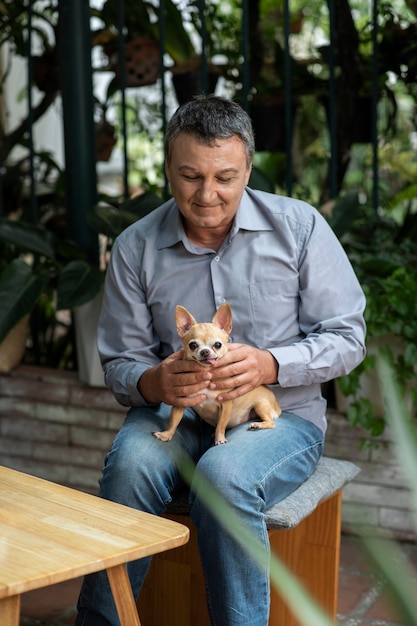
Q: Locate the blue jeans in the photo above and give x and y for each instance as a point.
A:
(253, 471)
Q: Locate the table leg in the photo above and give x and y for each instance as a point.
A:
(10, 611)
(123, 596)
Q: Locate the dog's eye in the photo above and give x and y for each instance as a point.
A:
(217, 345)
(193, 345)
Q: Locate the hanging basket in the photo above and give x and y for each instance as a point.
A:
(141, 66)
(106, 139)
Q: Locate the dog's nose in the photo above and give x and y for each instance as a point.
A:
(204, 353)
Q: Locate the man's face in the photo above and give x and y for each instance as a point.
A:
(207, 182)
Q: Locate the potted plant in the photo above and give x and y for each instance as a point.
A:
(40, 272)
(141, 52)
(43, 273)
(141, 39)
(381, 247)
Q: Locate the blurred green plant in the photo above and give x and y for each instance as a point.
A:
(386, 556)
(381, 246)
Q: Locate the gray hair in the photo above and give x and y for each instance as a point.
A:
(209, 118)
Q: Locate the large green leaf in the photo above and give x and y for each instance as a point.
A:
(19, 292)
(344, 214)
(178, 42)
(26, 237)
(78, 283)
(110, 221)
(259, 180)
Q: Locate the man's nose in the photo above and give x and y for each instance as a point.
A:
(207, 189)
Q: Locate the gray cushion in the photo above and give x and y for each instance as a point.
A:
(329, 476)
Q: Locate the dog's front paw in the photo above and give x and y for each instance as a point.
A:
(254, 426)
(163, 436)
(219, 442)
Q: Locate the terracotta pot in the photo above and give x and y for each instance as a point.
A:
(105, 141)
(13, 346)
(86, 318)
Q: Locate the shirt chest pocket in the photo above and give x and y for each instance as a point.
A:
(275, 306)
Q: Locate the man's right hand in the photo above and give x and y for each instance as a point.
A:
(175, 381)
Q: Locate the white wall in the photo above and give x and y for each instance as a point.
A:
(48, 131)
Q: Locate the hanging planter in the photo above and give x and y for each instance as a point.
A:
(141, 63)
(105, 140)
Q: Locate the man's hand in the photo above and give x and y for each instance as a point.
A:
(174, 380)
(242, 369)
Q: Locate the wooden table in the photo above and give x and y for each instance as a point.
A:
(50, 533)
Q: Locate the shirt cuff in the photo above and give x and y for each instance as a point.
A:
(291, 366)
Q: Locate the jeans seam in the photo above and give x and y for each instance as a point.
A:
(293, 454)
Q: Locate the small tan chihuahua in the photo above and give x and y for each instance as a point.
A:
(206, 343)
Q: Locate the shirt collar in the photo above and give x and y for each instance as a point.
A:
(249, 217)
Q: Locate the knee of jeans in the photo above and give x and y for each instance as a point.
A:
(223, 476)
(136, 475)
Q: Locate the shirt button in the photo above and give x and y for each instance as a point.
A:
(217, 258)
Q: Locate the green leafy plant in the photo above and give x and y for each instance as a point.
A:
(43, 273)
(381, 247)
(141, 18)
(40, 275)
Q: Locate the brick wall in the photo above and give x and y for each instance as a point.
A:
(54, 427)
(379, 496)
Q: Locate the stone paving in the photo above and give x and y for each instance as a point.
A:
(363, 596)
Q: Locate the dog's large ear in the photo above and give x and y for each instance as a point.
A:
(184, 320)
(223, 318)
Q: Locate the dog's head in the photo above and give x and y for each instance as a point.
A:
(204, 342)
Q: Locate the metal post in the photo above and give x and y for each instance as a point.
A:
(288, 100)
(77, 99)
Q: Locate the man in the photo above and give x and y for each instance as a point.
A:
(297, 322)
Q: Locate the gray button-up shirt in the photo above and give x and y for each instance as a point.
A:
(290, 285)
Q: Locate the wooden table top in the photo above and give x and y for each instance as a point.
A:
(50, 533)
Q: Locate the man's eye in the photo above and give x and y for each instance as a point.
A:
(193, 345)
(224, 181)
(217, 345)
